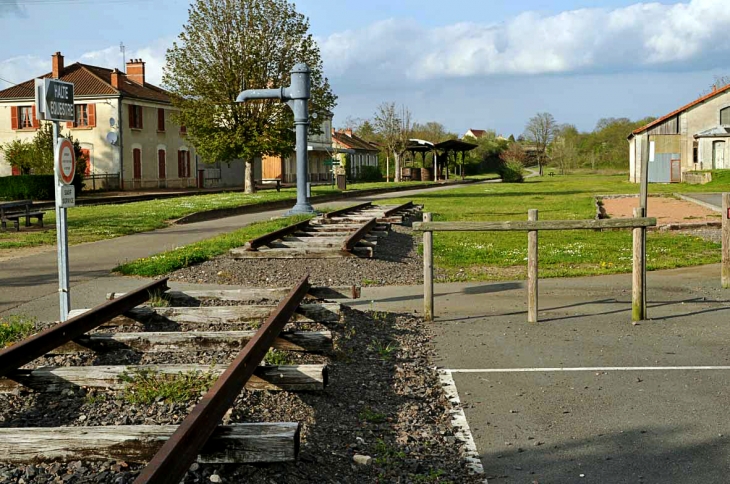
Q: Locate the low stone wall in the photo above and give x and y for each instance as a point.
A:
(697, 178)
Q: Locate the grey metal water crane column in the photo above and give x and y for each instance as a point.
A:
(296, 96)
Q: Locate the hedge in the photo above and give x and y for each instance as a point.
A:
(32, 187)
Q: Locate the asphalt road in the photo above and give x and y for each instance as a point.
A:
(29, 284)
(713, 199)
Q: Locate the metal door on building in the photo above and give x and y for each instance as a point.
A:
(676, 171)
(660, 168)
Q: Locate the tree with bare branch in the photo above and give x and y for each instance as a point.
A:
(541, 131)
(395, 130)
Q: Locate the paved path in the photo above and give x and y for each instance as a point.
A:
(710, 200)
(609, 420)
(29, 279)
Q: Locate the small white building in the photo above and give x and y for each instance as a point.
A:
(694, 137)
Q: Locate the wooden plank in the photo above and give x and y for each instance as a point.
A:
(428, 300)
(353, 208)
(638, 297)
(254, 244)
(532, 265)
(322, 312)
(323, 253)
(193, 341)
(248, 443)
(37, 345)
(398, 208)
(350, 243)
(520, 226)
(726, 240)
(57, 379)
(251, 294)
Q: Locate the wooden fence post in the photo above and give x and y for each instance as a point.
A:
(532, 257)
(726, 240)
(638, 296)
(428, 312)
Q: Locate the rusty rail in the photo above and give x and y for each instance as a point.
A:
(397, 209)
(254, 244)
(37, 345)
(343, 211)
(176, 456)
(357, 236)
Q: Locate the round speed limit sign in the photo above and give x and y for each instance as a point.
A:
(65, 161)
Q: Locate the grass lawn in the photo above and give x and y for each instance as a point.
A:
(89, 224)
(499, 256)
(198, 252)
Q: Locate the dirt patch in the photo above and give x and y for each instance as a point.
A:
(665, 210)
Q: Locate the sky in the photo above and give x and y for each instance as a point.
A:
(466, 64)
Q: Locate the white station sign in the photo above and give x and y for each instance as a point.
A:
(65, 161)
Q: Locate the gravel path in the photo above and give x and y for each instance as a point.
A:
(383, 401)
(711, 234)
(395, 262)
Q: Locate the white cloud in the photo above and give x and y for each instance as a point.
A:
(641, 36)
(22, 68)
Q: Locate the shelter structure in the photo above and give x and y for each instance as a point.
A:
(455, 147)
(423, 147)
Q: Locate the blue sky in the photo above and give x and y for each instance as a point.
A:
(466, 64)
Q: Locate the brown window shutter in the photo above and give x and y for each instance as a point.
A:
(187, 173)
(141, 117)
(160, 119)
(131, 115)
(36, 123)
(70, 124)
(14, 117)
(91, 114)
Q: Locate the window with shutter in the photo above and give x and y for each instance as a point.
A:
(81, 113)
(160, 119)
(135, 117)
(187, 164)
(25, 117)
(161, 164)
(137, 155)
(36, 123)
(91, 108)
(14, 117)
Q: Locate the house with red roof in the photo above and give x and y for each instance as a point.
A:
(693, 137)
(475, 133)
(354, 152)
(123, 123)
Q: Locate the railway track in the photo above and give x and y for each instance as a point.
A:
(347, 232)
(170, 450)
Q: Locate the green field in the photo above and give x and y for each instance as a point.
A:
(502, 256)
(89, 224)
(494, 256)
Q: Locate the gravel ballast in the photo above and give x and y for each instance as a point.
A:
(383, 418)
(395, 262)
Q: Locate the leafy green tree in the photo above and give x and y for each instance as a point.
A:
(394, 128)
(36, 156)
(541, 130)
(225, 46)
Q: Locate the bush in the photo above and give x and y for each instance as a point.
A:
(370, 174)
(33, 187)
(511, 172)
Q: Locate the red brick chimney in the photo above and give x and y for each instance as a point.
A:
(57, 70)
(135, 71)
(117, 77)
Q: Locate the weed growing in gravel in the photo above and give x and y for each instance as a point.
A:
(157, 300)
(387, 455)
(275, 357)
(433, 476)
(386, 350)
(147, 386)
(370, 415)
(15, 328)
(94, 398)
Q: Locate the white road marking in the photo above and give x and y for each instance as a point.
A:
(461, 426)
(597, 368)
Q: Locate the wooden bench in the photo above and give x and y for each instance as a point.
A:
(266, 181)
(14, 211)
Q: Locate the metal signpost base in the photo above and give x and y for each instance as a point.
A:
(64, 294)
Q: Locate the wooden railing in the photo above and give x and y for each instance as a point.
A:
(532, 226)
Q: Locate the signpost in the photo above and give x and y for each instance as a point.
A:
(55, 102)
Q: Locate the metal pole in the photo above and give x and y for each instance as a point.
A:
(532, 258)
(427, 271)
(64, 295)
(726, 240)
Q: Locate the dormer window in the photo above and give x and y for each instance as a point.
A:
(725, 117)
